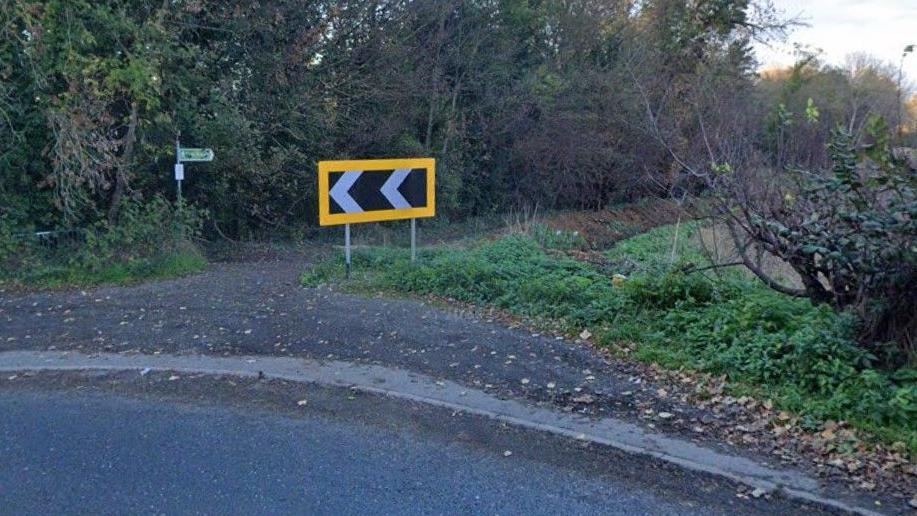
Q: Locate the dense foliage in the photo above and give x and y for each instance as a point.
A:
(150, 240)
(521, 102)
(803, 356)
(850, 235)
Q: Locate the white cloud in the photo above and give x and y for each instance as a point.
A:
(841, 27)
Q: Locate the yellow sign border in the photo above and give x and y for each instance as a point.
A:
(325, 168)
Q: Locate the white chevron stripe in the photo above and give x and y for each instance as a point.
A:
(340, 192)
(390, 189)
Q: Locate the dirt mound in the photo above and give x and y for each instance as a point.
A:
(603, 228)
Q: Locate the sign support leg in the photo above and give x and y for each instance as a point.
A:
(413, 240)
(178, 161)
(347, 249)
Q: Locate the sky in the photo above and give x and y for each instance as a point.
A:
(841, 27)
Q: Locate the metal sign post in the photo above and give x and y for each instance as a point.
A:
(347, 249)
(179, 168)
(183, 155)
(413, 240)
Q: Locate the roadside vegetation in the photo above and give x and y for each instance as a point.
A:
(574, 105)
(153, 240)
(650, 301)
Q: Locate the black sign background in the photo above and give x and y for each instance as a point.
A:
(367, 191)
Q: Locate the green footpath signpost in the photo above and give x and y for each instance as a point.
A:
(187, 154)
(195, 154)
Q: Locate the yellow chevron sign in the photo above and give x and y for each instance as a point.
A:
(374, 190)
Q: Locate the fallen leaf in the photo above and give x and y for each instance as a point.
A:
(585, 334)
(837, 463)
(584, 398)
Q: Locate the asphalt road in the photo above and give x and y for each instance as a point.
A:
(103, 453)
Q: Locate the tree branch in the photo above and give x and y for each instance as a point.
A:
(691, 270)
(742, 248)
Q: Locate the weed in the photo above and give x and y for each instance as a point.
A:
(802, 356)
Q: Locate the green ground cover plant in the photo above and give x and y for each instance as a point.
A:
(152, 240)
(804, 357)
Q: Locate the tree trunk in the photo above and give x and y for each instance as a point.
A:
(127, 156)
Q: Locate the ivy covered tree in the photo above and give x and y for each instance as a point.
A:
(93, 71)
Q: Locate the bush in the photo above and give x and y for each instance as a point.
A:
(144, 231)
(151, 239)
(8, 245)
(850, 233)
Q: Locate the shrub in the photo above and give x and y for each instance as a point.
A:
(560, 239)
(144, 231)
(8, 245)
(850, 233)
(150, 239)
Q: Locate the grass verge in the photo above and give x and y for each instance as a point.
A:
(175, 265)
(151, 240)
(801, 356)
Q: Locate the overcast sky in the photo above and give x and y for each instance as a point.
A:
(840, 27)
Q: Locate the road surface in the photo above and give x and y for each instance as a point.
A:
(257, 452)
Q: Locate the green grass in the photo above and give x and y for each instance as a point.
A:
(551, 238)
(801, 356)
(151, 240)
(179, 264)
(653, 249)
